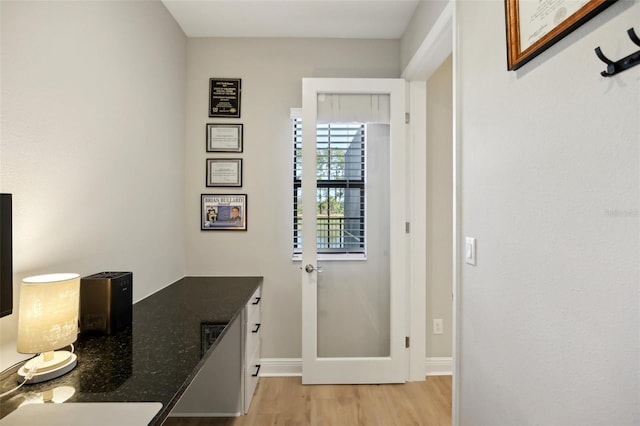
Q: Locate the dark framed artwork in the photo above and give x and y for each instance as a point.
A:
(223, 212)
(224, 97)
(535, 25)
(224, 172)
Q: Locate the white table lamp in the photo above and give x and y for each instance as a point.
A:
(48, 320)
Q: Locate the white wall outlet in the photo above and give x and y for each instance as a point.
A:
(470, 251)
(437, 326)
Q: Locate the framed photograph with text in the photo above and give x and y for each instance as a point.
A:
(224, 172)
(223, 212)
(224, 137)
(535, 25)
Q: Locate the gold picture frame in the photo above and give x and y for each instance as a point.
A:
(534, 26)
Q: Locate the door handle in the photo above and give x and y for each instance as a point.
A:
(310, 268)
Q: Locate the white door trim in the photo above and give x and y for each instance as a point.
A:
(417, 303)
(439, 42)
(434, 49)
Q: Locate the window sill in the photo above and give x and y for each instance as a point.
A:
(297, 257)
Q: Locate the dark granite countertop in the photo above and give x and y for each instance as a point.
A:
(156, 358)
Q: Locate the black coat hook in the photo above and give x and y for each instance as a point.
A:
(623, 64)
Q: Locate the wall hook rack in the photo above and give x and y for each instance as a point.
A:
(623, 64)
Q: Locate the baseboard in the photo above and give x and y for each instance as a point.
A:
(439, 366)
(280, 367)
(287, 367)
(172, 414)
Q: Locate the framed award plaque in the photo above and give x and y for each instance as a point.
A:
(224, 97)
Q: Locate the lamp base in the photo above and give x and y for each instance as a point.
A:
(49, 366)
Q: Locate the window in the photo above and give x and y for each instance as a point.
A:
(340, 194)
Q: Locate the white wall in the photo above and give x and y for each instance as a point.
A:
(92, 142)
(439, 188)
(551, 190)
(422, 21)
(271, 71)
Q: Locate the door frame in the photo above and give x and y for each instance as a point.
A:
(440, 41)
(395, 367)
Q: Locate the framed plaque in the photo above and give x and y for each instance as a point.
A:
(535, 25)
(224, 172)
(223, 212)
(224, 137)
(224, 97)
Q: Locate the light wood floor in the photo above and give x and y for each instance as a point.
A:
(284, 401)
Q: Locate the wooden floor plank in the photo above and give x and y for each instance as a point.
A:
(284, 401)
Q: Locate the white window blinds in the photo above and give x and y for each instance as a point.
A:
(340, 193)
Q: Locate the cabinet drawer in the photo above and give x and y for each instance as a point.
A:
(253, 326)
(253, 307)
(254, 331)
(251, 376)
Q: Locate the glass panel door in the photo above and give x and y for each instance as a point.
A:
(353, 273)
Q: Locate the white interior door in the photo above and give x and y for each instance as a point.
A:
(353, 311)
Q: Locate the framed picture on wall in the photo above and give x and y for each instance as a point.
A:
(224, 137)
(224, 97)
(224, 172)
(535, 25)
(223, 212)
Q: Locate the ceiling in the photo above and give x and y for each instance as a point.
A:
(368, 19)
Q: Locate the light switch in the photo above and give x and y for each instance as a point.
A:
(470, 251)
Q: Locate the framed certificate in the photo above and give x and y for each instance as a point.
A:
(535, 25)
(224, 172)
(224, 137)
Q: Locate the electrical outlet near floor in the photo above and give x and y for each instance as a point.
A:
(437, 326)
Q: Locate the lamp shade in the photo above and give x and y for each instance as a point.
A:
(48, 312)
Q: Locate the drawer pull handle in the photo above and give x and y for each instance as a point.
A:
(255, 330)
(257, 371)
(255, 302)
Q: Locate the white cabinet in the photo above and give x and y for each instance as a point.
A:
(253, 331)
(225, 384)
